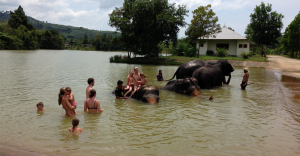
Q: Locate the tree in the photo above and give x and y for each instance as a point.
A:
(18, 18)
(85, 39)
(291, 37)
(203, 25)
(145, 23)
(265, 26)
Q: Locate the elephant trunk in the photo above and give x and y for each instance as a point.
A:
(228, 81)
(196, 92)
(150, 99)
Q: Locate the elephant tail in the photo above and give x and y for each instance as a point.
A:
(172, 77)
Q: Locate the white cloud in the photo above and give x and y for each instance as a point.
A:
(216, 4)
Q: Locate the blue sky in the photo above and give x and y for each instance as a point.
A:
(93, 14)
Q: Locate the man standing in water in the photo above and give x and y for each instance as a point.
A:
(245, 79)
(91, 83)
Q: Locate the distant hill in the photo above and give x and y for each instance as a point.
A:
(65, 31)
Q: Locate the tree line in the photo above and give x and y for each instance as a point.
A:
(18, 34)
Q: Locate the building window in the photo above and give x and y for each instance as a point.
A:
(201, 45)
(240, 45)
(245, 45)
(226, 46)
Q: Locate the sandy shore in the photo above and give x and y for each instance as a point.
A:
(287, 66)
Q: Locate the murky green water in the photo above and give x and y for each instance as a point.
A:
(263, 120)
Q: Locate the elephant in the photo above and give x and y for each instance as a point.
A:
(213, 75)
(187, 69)
(187, 86)
(146, 93)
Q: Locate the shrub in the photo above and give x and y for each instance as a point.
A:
(222, 52)
(210, 52)
(245, 55)
(251, 53)
(117, 58)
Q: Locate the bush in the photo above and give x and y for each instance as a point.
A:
(210, 52)
(117, 58)
(245, 55)
(184, 49)
(222, 52)
(251, 53)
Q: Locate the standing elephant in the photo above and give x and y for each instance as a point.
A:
(146, 93)
(187, 69)
(187, 86)
(213, 75)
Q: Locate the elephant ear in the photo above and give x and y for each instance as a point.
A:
(178, 87)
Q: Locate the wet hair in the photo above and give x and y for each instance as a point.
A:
(40, 103)
(75, 122)
(68, 89)
(142, 74)
(92, 92)
(61, 94)
(90, 80)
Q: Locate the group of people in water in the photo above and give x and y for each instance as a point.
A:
(134, 81)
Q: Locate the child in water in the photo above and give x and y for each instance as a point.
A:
(130, 83)
(75, 129)
(40, 106)
(71, 97)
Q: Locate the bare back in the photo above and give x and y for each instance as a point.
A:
(92, 105)
(87, 91)
(246, 77)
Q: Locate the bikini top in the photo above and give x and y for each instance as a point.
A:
(94, 106)
(138, 78)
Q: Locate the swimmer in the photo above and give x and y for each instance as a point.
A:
(40, 106)
(75, 129)
(71, 97)
(211, 97)
(91, 83)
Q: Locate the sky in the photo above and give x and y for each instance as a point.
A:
(93, 14)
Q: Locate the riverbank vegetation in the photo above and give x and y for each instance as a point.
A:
(18, 34)
(178, 60)
(67, 32)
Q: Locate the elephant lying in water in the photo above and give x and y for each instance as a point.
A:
(146, 93)
(187, 86)
(213, 75)
(186, 70)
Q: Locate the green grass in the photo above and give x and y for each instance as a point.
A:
(177, 60)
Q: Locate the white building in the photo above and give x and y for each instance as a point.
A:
(232, 41)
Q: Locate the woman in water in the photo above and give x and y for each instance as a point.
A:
(75, 129)
(64, 101)
(91, 104)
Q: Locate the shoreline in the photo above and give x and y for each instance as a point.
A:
(6, 150)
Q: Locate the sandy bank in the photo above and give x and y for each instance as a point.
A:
(12, 151)
(286, 66)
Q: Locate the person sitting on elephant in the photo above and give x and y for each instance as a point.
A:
(245, 79)
(119, 92)
(142, 82)
(160, 76)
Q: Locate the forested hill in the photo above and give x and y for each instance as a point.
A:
(65, 31)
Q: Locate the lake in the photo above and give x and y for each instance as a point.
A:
(264, 119)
